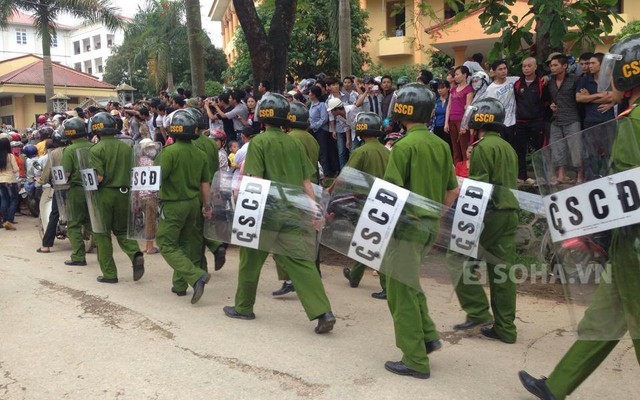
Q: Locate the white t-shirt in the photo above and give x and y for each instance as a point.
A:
(504, 94)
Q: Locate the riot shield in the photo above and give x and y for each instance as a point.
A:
(59, 182)
(145, 184)
(263, 215)
(381, 225)
(90, 185)
(592, 203)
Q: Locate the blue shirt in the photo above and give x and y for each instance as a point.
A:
(591, 113)
(440, 112)
(318, 117)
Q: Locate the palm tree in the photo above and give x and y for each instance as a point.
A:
(196, 45)
(45, 12)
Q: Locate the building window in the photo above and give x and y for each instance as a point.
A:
(73, 100)
(6, 101)
(76, 48)
(8, 120)
(54, 41)
(21, 36)
(450, 12)
(77, 67)
(618, 7)
(110, 41)
(396, 25)
(40, 99)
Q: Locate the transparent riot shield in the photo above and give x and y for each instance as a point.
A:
(145, 184)
(90, 185)
(381, 225)
(59, 182)
(590, 183)
(264, 215)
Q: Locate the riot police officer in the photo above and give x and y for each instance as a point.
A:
(275, 156)
(372, 157)
(493, 161)
(112, 160)
(616, 306)
(420, 162)
(76, 131)
(185, 187)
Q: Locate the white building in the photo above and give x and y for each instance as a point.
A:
(84, 48)
(19, 39)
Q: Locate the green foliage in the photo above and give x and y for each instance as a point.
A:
(312, 49)
(213, 88)
(554, 23)
(156, 44)
(631, 28)
(440, 64)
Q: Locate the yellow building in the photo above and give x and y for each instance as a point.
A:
(425, 31)
(223, 11)
(22, 96)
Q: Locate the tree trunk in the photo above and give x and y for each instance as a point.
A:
(543, 43)
(47, 68)
(196, 56)
(269, 54)
(344, 37)
(170, 87)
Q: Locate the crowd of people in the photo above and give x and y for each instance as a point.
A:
(417, 135)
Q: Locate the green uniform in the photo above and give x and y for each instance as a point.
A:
(184, 168)
(311, 149)
(615, 308)
(76, 202)
(112, 159)
(277, 157)
(208, 146)
(420, 162)
(493, 161)
(372, 157)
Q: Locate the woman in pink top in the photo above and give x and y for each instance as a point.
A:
(460, 97)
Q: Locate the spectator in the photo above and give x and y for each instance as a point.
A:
(319, 126)
(143, 117)
(475, 65)
(565, 122)
(222, 103)
(424, 76)
(386, 86)
(8, 185)
(369, 100)
(451, 78)
(345, 115)
(264, 88)
(440, 112)
(598, 108)
(348, 87)
(161, 132)
(502, 89)
(460, 97)
(249, 121)
(584, 62)
(333, 88)
(532, 99)
(235, 113)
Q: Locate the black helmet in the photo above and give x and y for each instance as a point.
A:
(45, 132)
(487, 113)
(197, 115)
(104, 123)
(59, 138)
(74, 128)
(298, 115)
(183, 125)
(435, 82)
(368, 123)
(273, 109)
(413, 102)
(622, 65)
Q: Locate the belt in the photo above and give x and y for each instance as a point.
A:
(122, 189)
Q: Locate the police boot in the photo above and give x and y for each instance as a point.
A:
(537, 387)
(287, 287)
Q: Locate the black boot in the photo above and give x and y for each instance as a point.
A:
(287, 287)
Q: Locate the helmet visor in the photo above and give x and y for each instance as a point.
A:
(606, 71)
(466, 118)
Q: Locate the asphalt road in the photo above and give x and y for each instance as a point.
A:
(65, 336)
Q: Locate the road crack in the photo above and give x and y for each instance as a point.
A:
(287, 381)
(112, 315)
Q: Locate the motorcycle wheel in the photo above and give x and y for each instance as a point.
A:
(33, 207)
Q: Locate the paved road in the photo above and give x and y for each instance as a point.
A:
(65, 336)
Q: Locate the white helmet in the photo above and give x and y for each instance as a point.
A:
(479, 79)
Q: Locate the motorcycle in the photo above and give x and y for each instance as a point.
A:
(31, 190)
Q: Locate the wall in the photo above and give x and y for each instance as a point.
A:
(9, 48)
(89, 32)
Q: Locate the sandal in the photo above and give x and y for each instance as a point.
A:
(155, 250)
(39, 250)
